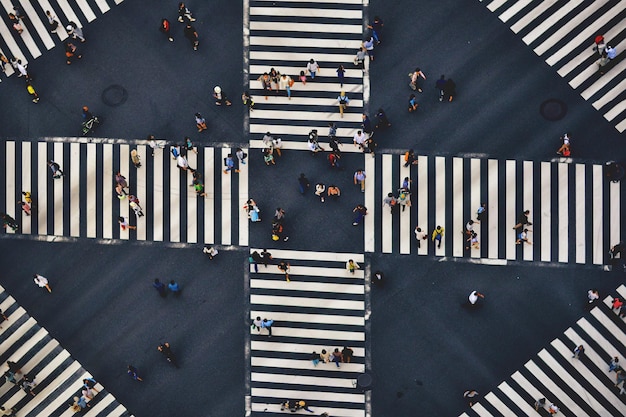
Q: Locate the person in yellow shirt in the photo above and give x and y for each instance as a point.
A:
(437, 235)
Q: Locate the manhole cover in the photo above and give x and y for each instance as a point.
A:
(553, 109)
(114, 95)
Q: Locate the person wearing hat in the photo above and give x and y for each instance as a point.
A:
(75, 32)
(220, 96)
(302, 406)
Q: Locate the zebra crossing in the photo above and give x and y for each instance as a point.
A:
(84, 202)
(58, 376)
(579, 387)
(322, 307)
(563, 33)
(286, 38)
(574, 210)
(36, 36)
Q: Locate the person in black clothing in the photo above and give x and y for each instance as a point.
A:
(304, 184)
(449, 89)
(383, 122)
(160, 287)
(266, 257)
(192, 35)
(522, 220)
(165, 349)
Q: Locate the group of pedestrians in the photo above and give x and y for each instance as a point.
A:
(184, 16)
(446, 88)
(606, 53)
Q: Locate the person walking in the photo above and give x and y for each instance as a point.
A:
(24, 206)
(71, 52)
(376, 26)
(522, 220)
(56, 169)
(267, 324)
(42, 282)
(134, 204)
(165, 28)
(303, 183)
(449, 89)
(343, 101)
(474, 296)
(8, 221)
(360, 212)
(160, 287)
(32, 92)
(174, 287)
(336, 357)
(523, 237)
(312, 68)
(247, 101)
(229, 163)
(470, 396)
(341, 71)
(284, 268)
(359, 179)
(285, 83)
(184, 13)
(420, 235)
(440, 85)
(346, 354)
(415, 77)
(592, 296)
(75, 32)
(123, 221)
(220, 96)
(133, 373)
(352, 266)
(437, 235)
(382, 120)
(166, 350)
(210, 251)
(53, 23)
(191, 34)
(413, 103)
(481, 213)
(368, 45)
(410, 158)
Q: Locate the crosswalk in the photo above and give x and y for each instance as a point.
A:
(575, 212)
(563, 34)
(579, 387)
(322, 307)
(286, 38)
(36, 36)
(84, 202)
(58, 376)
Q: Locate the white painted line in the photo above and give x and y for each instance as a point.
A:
(333, 336)
(322, 1)
(11, 203)
(385, 211)
(141, 191)
(440, 202)
(369, 233)
(66, 391)
(405, 215)
(75, 196)
(18, 332)
(597, 215)
(499, 405)
(58, 191)
(563, 219)
(298, 100)
(313, 271)
(283, 114)
(282, 57)
(615, 331)
(481, 411)
(26, 36)
(124, 163)
(28, 345)
(324, 85)
(532, 15)
(70, 16)
(529, 388)
(495, 5)
(313, 256)
(621, 126)
(615, 111)
(611, 95)
(599, 361)
(303, 12)
(513, 10)
(305, 302)
(174, 194)
(517, 400)
(598, 338)
(118, 1)
(26, 223)
(602, 82)
(317, 287)
(511, 216)
(492, 207)
(90, 189)
(422, 202)
(109, 196)
(323, 44)
(307, 27)
(42, 353)
(546, 212)
(226, 202)
(309, 318)
(84, 7)
(7, 36)
(548, 23)
(458, 225)
(580, 232)
(104, 7)
(43, 172)
(296, 380)
(307, 395)
(243, 197)
(49, 389)
(157, 213)
(299, 146)
(335, 412)
(209, 202)
(571, 24)
(475, 201)
(40, 28)
(529, 202)
(192, 199)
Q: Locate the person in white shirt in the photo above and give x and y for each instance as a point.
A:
(312, 68)
(474, 296)
(359, 139)
(42, 282)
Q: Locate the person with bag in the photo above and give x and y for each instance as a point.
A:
(53, 23)
(415, 76)
(70, 52)
(285, 83)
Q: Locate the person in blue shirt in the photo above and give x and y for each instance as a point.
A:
(412, 103)
(174, 287)
(267, 324)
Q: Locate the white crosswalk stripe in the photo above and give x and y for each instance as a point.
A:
(574, 209)
(286, 38)
(579, 387)
(84, 202)
(563, 33)
(57, 376)
(322, 307)
(36, 36)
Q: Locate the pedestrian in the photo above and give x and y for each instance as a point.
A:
(376, 26)
(390, 201)
(367, 125)
(320, 188)
(241, 156)
(3, 62)
(614, 364)
(360, 212)
(312, 68)
(87, 393)
(220, 96)
(410, 158)
(285, 83)
(415, 77)
(303, 184)
(257, 324)
(8, 412)
(620, 377)
(165, 28)
(382, 121)
(412, 103)
(8, 221)
(481, 212)
(359, 139)
(341, 71)
(370, 146)
(53, 23)
(22, 69)
(522, 220)
(229, 163)
(284, 268)
(302, 77)
(247, 100)
(15, 24)
(75, 32)
(123, 221)
(359, 58)
(616, 250)
(71, 51)
(56, 169)
(315, 358)
(42, 282)
(337, 357)
(266, 257)
(617, 304)
(184, 13)
(80, 403)
(474, 296)
(252, 210)
(24, 206)
(274, 77)
(352, 266)
(325, 356)
(198, 186)
(14, 367)
(602, 62)
(266, 83)
(540, 403)
(343, 101)
(470, 396)
(553, 409)
(359, 179)
(449, 89)
(523, 237)
(210, 251)
(90, 383)
(439, 85)
(267, 324)
(599, 44)
(277, 231)
(254, 260)
(191, 34)
(469, 227)
(592, 295)
(611, 52)
(166, 350)
(314, 145)
(268, 156)
(174, 287)
(420, 235)
(565, 145)
(347, 354)
(335, 144)
(183, 164)
(3, 316)
(333, 160)
(160, 287)
(437, 235)
(133, 373)
(368, 45)
(279, 214)
(472, 241)
(120, 180)
(133, 202)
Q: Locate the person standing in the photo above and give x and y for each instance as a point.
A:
(343, 101)
(359, 178)
(284, 268)
(437, 235)
(42, 282)
(166, 350)
(312, 68)
(360, 212)
(415, 76)
(165, 28)
(191, 34)
(267, 324)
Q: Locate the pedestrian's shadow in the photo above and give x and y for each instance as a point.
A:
(471, 307)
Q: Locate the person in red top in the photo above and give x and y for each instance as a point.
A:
(617, 304)
(165, 28)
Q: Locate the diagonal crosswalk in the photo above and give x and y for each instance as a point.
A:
(36, 36)
(286, 38)
(58, 377)
(574, 209)
(84, 202)
(563, 33)
(322, 307)
(579, 387)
